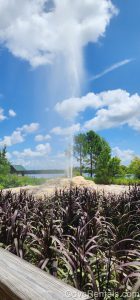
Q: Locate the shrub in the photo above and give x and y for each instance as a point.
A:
(125, 181)
(90, 240)
(11, 181)
(134, 167)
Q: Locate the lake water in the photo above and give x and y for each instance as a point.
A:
(47, 176)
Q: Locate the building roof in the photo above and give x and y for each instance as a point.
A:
(18, 168)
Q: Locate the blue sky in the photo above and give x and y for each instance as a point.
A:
(66, 68)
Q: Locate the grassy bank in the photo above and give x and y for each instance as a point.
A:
(11, 181)
(125, 181)
(118, 181)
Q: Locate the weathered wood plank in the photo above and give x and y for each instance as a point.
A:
(20, 280)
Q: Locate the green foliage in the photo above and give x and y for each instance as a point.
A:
(90, 240)
(4, 163)
(110, 168)
(94, 146)
(93, 153)
(123, 170)
(125, 181)
(79, 149)
(117, 181)
(102, 171)
(8, 180)
(76, 172)
(134, 167)
(114, 166)
(11, 181)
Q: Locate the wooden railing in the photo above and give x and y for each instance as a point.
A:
(20, 280)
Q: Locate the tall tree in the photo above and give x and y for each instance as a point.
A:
(79, 149)
(94, 153)
(4, 163)
(93, 148)
(103, 163)
(115, 167)
(134, 167)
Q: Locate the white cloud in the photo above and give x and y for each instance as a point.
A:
(21, 161)
(67, 131)
(29, 128)
(40, 158)
(40, 150)
(12, 113)
(125, 155)
(61, 155)
(2, 116)
(15, 138)
(70, 108)
(135, 123)
(34, 33)
(118, 108)
(38, 163)
(8, 155)
(41, 138)
(111, 68)
(112, 108)
(18, 135)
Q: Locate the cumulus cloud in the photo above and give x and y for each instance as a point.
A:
(112, 108)
(39, 151)
(38, 163)
(21, 161)
(2, 116)
(29, 128)
(67, 131)
(39, 158)
(32, 31)
(125, 155)
(41, 138)
(15, 138)
(18, 135)
(12, 113)
(54, 32)
(9, 156)
(70, 108)
(118, 108)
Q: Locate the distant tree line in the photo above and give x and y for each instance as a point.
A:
(93, 154)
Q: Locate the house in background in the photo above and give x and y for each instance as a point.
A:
(17, 169)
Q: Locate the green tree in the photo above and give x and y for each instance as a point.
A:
(123, 170)
(4, 163)
(134, 167)
(103, 164)
(79, 149)
(93, 148)
(114, 166)
(94, 153)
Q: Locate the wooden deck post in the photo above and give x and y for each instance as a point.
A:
(20, 280)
